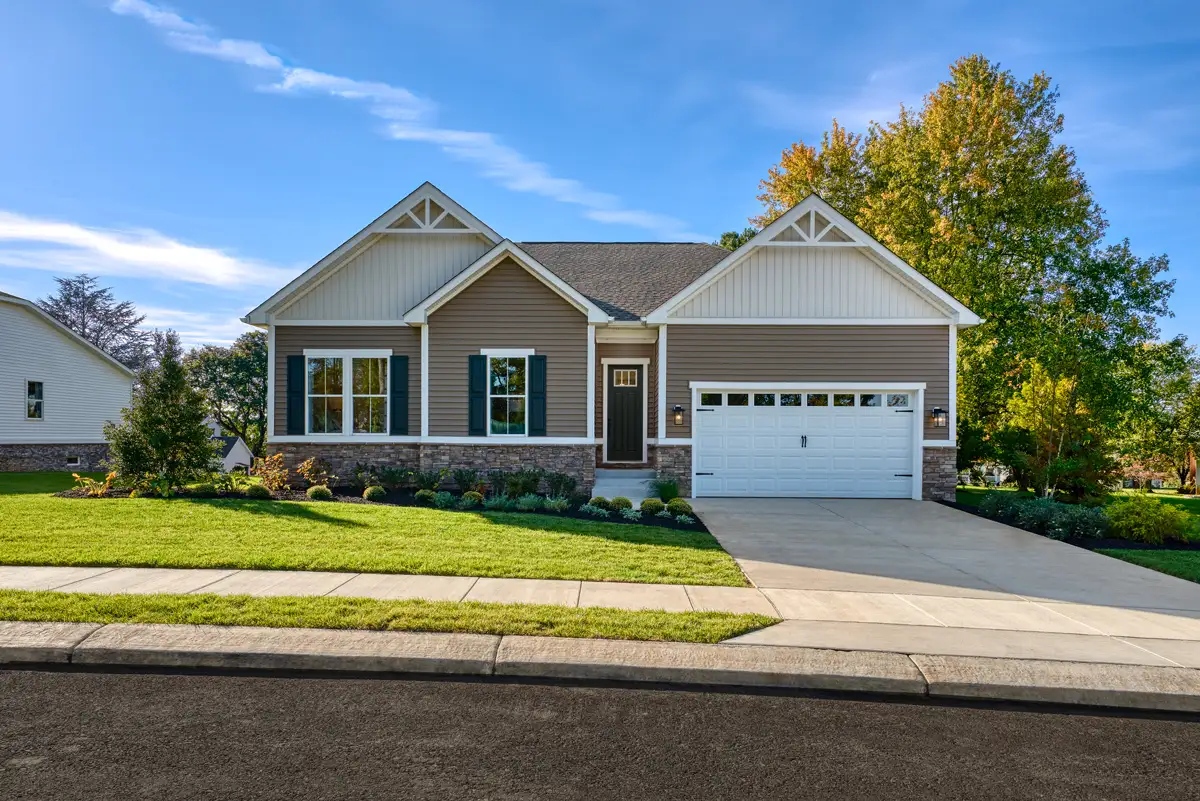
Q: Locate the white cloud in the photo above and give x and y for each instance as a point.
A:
(196, 328)
(878, 99)
(410, 119)
(62, 247)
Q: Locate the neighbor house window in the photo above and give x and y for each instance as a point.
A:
(34, 410)
(369, 387)
(506, 394)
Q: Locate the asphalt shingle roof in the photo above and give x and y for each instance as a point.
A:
(626, 279)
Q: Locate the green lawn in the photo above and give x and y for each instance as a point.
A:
(1184, 564)
(40, 529)
(364, 613)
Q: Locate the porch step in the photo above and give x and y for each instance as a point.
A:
(622, 474)
(629, 484)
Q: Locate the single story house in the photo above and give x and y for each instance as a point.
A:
(56, 392)
(811, 361)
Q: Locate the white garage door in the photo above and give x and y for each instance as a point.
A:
(817, 444)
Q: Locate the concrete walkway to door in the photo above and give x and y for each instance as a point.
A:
(918, 577)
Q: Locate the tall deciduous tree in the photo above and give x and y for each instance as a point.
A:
(93, 313)
(233, 382)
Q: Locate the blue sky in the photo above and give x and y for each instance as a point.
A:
(198, 154)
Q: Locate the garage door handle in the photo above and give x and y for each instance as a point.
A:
(905, 411)
(902, 475)
(803, 441)
(704, 474)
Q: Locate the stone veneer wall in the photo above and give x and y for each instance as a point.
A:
(578, 461)
(675, 461)
(940, 476)
(37, 458)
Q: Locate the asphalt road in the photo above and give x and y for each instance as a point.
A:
(98, 737)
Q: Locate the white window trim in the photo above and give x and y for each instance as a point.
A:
(347, 357)
(25, 401)
(506, 353)
(607, 362)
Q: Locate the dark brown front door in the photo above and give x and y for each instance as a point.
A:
(625, 414)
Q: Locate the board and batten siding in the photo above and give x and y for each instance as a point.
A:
(628, 350)
(808, 282)
(831, 353)
(291, 340)
(81, 390)
(508, 307)
(387, 278)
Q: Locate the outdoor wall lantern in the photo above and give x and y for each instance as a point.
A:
(939, 417)
(677, 415)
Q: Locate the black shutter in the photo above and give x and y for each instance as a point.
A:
(537, 396)
(295, 395)
(477, 416)
(399, 399)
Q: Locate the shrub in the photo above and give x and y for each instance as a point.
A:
(364, 476)
(560, 485)
(230, 482)
(631, 514)
(653, 506)
(1037, 515)
(600, 502)
(500, 503)
(1141, 518)
(426, 496)
(319, 492)
(557, 503)
(524, 481)
(134, 494)
(466, 479)
(203, 489)
(678, 506)
(594, 510)
(271, 472)
(444, 500)
(664, 514)
(316, 471)
(375, 493)
(429, 479)
(393, 477)
(1082, 523)
(1002, 506)
(94, 488)
(530, 502)
(258, 492)
(470, 500)
(686, 520)
(620, 502)
(665, 487)
(497, 481)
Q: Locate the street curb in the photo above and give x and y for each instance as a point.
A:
(1132, 687)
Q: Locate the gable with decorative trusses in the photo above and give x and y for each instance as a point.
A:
(812, 265)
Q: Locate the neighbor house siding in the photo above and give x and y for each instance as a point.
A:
(81, 389)
(387, 278)
(291, 340)
(902, 353)
(631, 350)
(508, 308)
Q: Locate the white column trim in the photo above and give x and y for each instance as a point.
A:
(662, 383)
(952, 412)
(918, 450)
(591, 381)
(425, 380)
(271, 382)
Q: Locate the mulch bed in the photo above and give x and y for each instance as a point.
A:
(1091, 545)
(405, 497)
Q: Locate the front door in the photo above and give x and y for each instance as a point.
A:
(626, 414)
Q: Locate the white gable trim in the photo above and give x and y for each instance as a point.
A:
(956, 311)
(419, 314)
(67, 332)
(310, 278)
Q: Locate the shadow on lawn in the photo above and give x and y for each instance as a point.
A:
(639, 535)
(273, 509)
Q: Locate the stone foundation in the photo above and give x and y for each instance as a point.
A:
(49, 458)
(578, 461)
(674, 461)
(940, 475)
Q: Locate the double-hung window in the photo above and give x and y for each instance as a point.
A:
(347, 392)
(506, 395)
(34, 408)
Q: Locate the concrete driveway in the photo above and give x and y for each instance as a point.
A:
(899, 570)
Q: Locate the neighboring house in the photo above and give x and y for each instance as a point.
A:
(809, 362)
(56, 393)
(234, 451)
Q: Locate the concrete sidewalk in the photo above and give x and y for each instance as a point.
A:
(1010, 627)
(903, 674)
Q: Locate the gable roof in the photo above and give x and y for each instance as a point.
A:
(627, 279)
(419, 314)
(784, 231)
(54, 323)
(397, 218)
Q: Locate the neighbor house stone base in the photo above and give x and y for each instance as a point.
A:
(940, 476)
(578, 461)
(40, 458)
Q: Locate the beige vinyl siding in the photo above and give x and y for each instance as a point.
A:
(387, 278)
(900, 353)
(807, 282)
(291, 340)
(508, 308)
(630, 350)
